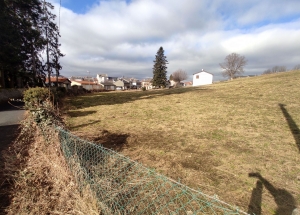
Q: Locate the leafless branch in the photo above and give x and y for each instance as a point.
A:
(179, 75)
(233, 65)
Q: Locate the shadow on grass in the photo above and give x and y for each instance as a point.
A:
(80, 113)
(113, 98)
(86, 124)
(112, 141)
(292, 124)
(284, 200)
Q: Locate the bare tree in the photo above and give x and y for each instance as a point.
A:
(279, 69)
(297, 67)
(179, 75)
(268, 71)
(275, 69)
(233, 65)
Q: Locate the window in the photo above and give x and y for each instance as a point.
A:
(197, 76)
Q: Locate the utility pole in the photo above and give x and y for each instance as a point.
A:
(47, 49)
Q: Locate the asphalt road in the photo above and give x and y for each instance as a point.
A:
(10, 115)
(10, 118)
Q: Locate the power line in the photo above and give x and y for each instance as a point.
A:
(59, 15)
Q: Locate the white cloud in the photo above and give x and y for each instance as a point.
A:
(122, 39)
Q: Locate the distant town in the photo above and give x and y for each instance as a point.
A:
(105, 82)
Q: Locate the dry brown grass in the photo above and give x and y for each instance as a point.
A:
(209, 137)
(40, 182)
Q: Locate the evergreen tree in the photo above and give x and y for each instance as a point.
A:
(26, 29)
(160, 69)
(51, 34)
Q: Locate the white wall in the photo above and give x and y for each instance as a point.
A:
(101, 78)
(204, 78)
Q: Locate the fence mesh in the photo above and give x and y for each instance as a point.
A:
(123, 186)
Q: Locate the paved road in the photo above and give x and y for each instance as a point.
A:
(9, 128)
(10, 115)
(10, 118)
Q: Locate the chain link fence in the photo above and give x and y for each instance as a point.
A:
(123, 186)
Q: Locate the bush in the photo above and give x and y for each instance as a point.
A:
(34, 97)
(38, 101)
(143, 88)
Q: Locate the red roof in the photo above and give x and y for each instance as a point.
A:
(59, 80)
(188, 83)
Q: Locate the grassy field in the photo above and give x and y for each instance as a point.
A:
(210, 138)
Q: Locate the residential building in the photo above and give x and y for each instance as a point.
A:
(61, 81)
(108, 85)
(202, 78)
(147, 83)
(86, 83)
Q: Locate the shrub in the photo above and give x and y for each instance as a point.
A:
(39, 102)
(143, 88)
(34, 97)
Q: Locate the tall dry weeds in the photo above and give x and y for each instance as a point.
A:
(39, 178)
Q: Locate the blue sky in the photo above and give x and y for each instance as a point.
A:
(121, 37)
(81, 6)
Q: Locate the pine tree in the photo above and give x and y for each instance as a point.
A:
(51, 33)
(160, 69)
(26, 29)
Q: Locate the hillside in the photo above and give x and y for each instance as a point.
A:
(210, 138)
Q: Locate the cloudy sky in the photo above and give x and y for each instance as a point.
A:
(121, 38)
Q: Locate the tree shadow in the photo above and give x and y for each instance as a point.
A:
(8, 134)
(112, 141)
(286, 203)
(80, 113)
(11, 106)
(292, 124)
(86, 124)
(112, 98)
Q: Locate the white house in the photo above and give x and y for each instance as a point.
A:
(147, 83)
(101, 78)
(88, 85)
(202, 78)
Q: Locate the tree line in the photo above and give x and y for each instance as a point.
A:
(27, 30)
(280, 69)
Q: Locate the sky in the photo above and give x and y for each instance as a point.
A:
(121, 38)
